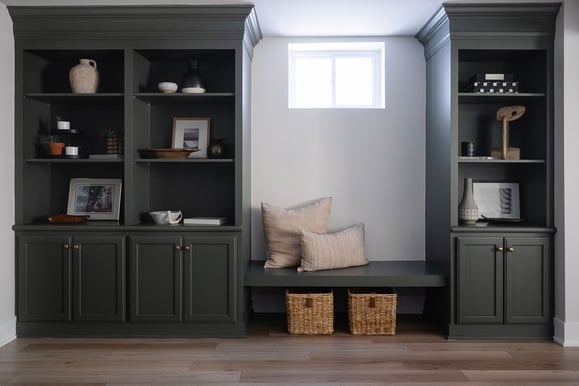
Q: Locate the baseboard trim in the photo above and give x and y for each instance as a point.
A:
(566, 333)
(7, 331)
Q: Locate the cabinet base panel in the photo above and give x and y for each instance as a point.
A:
(512, 331)
(130, 330)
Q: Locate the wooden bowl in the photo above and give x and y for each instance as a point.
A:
(67, 219)
(172, 153)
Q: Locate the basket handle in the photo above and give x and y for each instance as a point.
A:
(372, 302)
(309, 302)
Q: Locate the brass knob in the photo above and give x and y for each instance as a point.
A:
(187, 248)
(75, 246)
(500, 249)
(177, 247)
(510, 249)
(66, 246)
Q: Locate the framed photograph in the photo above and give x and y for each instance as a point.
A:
(98, 198)
(191, 133)
(498, 200)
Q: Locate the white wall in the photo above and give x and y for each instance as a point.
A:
(7, 284)
(566, 319)
(370, 161)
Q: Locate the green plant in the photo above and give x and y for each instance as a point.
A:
(111, 134)
(52, 138)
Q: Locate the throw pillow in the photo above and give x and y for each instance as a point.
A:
(333, 250)
(282, 226)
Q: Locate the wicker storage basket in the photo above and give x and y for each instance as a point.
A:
(310, 311)
(372, 311)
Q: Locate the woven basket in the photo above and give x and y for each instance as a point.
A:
(310, 311)
(372, 311)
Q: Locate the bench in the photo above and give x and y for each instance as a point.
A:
(375, 274)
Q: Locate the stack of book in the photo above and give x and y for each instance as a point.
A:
(204, 220)
(493, 83)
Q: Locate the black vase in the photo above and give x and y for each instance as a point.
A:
(193, 81)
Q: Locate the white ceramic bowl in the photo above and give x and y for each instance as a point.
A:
(167, 87)
(166, 216)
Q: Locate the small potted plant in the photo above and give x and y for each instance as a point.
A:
(54, 144)
(113, 141)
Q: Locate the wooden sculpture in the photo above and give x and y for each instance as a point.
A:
(508, 114)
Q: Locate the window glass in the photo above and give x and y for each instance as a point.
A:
(336, 75)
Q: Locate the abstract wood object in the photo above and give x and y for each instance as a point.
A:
(508, 114)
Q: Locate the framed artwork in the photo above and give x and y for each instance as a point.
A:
(498, 200)
(191, 133)
(98, 198)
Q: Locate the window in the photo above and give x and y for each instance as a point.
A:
(336, 75)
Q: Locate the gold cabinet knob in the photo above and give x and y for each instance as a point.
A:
(187, 248)
(177, 247)
(500, 249)
(66, 246)
(510, 249)
(75, 246)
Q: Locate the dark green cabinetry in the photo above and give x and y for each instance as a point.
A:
(183, 278)
(504, 280)
(479, 280)
(493, 293)
(178, 280)
(156, 278)
(71, 278)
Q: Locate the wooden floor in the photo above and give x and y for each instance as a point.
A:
(416, 355)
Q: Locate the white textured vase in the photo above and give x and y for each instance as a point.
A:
(84, 77)
(468, 211)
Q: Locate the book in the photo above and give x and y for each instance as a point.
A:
(483, 77)
(464, 157)
(204, 220)
(105, 156)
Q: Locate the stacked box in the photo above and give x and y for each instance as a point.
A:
(495, 86)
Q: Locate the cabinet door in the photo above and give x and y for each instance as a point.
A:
(528, 283)
(209, 278)
(480, 280)
(44, 280)
(99, 278)
(155, 275)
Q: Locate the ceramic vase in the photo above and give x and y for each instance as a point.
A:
(84, 77)
(468, 211)
(193, 81)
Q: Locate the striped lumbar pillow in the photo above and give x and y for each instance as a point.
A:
(333, 250)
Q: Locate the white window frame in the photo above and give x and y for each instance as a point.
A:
(333, 50)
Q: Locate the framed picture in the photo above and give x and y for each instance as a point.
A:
(191, 133)
(98, 198)
(497, 199)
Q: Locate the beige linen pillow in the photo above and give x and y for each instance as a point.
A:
(333, 250)
(282, 230)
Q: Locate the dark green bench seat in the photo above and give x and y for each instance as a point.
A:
(375, 274)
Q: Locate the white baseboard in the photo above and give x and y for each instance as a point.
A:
(7, 330)
(566, 333)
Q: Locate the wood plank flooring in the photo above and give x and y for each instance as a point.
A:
(416, 355)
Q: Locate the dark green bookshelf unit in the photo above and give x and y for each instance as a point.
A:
(131, 277)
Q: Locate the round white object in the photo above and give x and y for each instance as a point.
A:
(167, 87)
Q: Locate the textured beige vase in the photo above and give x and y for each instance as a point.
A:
(84, 77)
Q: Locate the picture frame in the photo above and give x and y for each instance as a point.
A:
(98, 198)
(191, 133)
(497, 200)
